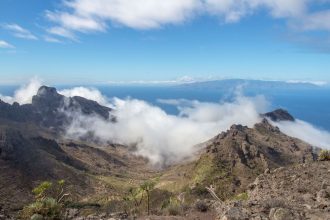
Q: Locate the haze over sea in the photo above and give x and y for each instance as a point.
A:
(310, 104)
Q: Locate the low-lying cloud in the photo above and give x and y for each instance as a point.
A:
(161, 137)
(164, 138)
(88, 93)
(306, 132)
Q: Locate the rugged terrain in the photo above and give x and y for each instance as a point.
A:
(244, 167)
(296, 192)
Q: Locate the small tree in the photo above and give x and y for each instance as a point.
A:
(135, 196)
(147, 187)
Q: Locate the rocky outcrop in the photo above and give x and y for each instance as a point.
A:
(233, 159)
(52, 110)
(279, 115)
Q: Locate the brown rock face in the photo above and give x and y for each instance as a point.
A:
(236, 157)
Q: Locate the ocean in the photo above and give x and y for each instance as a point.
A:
(311, 105)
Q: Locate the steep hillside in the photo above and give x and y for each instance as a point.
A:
(26, 160)
(91, 173)
(233, 159)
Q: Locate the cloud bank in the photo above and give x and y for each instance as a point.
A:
(88, 93)
(306, 132)
(163, 138)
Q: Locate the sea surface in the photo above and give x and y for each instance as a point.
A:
(311, 105)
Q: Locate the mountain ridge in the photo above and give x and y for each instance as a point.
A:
(49, 109)
(30, 153)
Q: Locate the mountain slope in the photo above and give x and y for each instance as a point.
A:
(33, 150)
(25, 160)
(233, 159)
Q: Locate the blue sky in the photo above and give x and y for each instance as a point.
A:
(83, 41)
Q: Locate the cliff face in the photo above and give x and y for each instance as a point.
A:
(49, 109)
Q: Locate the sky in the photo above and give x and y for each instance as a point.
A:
(100, 41)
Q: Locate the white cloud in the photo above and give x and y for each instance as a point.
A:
(88, 93)
(24, 94)
(164, 138)
(89, 16)
(62, 32)
(76, 22)
(306, 132)
(86, 16)
(4, 44)
(51, 39)
(180, 80)
(235, 10)
(19, 31)
(316, 21)
(140, 14)
(317, 83)
(161, 137)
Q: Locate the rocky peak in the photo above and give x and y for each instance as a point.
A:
(238, 127)
(47, 97)
(264, 126)
(279, 115)
(49, 109)
(243, 153)
(45, 91)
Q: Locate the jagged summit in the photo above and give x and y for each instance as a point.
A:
(234, 158)
(279, 115)
(47, 92)
(49, 108)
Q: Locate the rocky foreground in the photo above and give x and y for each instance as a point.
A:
(292, 193)
(297, 192)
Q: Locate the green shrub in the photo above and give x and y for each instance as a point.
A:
(48, 204)
(241, 197)
(172, 207)
(324, 155)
